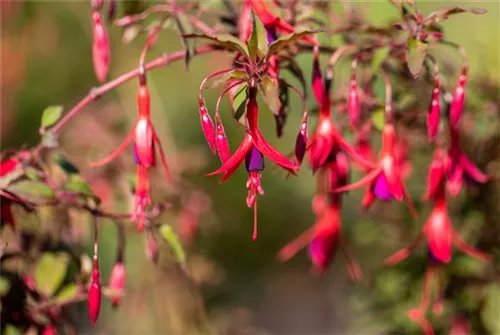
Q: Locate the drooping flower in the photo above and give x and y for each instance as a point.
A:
(459, 167)
(353, 106)
(145, 138)
(94, 293)
(438, 229)
(101, 53)
(458, 102)
(252, 150)
(117, 281)
(434, 113)
(384, 181)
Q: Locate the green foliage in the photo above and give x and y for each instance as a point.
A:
(50, 272)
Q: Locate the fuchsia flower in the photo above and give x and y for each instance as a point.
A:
(459, 167)
(117, 281)
(434, 113)
(252, 150)
(458, 102)
(144, 136)
(440, 236)
(385, 180)
(94, 293)
(100, 47)
(353, 106)
(327, 138)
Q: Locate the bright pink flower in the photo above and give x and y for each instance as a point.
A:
(252, 150)
(117, 281)
(145, 138)
(434, 112)
(353, 106)
(100, 48)
(459, 167)
(94, 294)
(49, 330)
(385, 180)
(458, 102)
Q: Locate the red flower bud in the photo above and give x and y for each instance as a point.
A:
(94, 295)
(301, 143)
(434, 113)
(49, 330)
(353, 106)
(207, 126)
(117, 281)
(100, 48)
(457, 104)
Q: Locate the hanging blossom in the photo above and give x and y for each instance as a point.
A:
(145, 138)
(252, 151)
(327, 139)
(324, 237)
(441, 236)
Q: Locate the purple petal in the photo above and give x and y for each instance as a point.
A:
(271, 35)
(381, 188)
(433, 258)
(321, 250)
(254, 160)
(300, 148)
(136, 156)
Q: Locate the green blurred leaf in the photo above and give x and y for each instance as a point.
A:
(378, 58)
(32, 173)
(466, 266)
(253, 41)
(170, 236)
(415, 56)
(50, 272)
(4, 286)
(270, 91)
(32, 190)
(377, 117)
(11, 330)
(51, 115)
(286, 40)
(221, 80)
(224, 41)
(130, 33)
(67, 293)
(64, 164)
(444, 13)
(491, 308)
(49, 140)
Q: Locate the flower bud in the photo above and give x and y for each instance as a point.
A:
(434, 113)
(117, 282)
(100, 48)
(353, 106)
(458, 102)
(301, 143)
(94, 294)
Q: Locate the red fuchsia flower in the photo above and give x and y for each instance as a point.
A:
(274, 24)
(363, 146)
(434, 111)
(459, 167)
(145, 138)
(117, 282)
(49, 330)
(353, 106)
(94, 293)
(384, 181)
(327, 138)
(438, 228)
(101, 53)
(7, 166)
(458, 102)
(252, 151)
(402, 159)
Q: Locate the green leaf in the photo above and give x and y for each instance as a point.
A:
(130, 33)
(171, 238)
(50, 272)
(253, 41)
(378, 118)
(443, 13)
(32, 173)
(67, 293)
(239, 102)
(66, 165)
(51, 115)
(221, 80)
(415, 56)
(378, 58)
(32, 190)
(49, 140)
(11, 330)
(78, 185)
(4, 286)
(270, 91)
(489, 312)
(224, 41)
(287, 40)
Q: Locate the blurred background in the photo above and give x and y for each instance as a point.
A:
(236, 286)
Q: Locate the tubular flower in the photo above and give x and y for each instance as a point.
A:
(458, 102)
(94, 294)
(327, 138)
(100, 48)
(252, 150)
(438, 229)
(6, 217)
(440, 236)
(117, 281)
(459, 166)
(273, 23)
(434, 111)
(385, 180)
(353, 106)
(145, 138)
